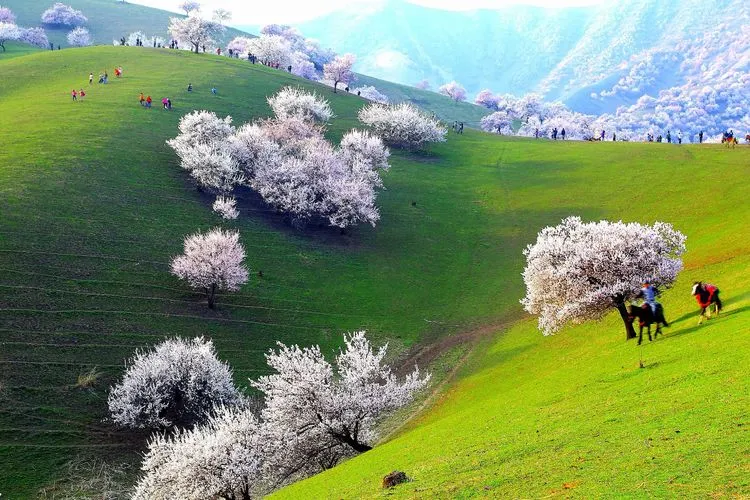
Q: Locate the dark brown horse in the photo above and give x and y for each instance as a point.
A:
(646, 318)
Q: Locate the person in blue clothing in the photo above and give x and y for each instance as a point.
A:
(649, 293)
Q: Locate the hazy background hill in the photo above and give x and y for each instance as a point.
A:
(624, 48)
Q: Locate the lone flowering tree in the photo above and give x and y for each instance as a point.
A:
(63, 15)
(79, 37)
(212, 262)
(580, 271)
(189, 6)
(8, 33)
(454, 90)
(340, 70)
(195, 30)
(402, 125)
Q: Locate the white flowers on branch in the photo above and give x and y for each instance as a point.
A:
(226, 207)
(402, 125)
(79, 37)
(177, 383)
(287, 160)
(212, 262)
(580, 271)
(295, 102)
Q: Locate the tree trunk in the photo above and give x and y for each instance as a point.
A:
(355, 445)
(335, 84)
(212, 297)
(629, 330)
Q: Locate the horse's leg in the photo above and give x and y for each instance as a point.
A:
(640, 336)
(701, 315)
(648, 329)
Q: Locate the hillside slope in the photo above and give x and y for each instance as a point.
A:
(94, 205)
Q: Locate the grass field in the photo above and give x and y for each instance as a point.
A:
(94, 204)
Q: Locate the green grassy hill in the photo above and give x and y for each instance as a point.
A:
(109, 20)
(94, 205)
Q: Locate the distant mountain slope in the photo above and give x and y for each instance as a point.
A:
(617, 51)
(108, 19)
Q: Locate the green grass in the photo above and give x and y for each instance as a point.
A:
(94, 204)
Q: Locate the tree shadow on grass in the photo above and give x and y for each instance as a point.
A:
(705, 324)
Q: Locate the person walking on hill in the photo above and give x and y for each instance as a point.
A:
(700, 137)
(91, 78)
(148, 102)
(614, 137)
(679, 137)
(164, 103)
(190, 87)
(461, 128)
(562, 133)
(75, 95)
(213, 90)
(602, 136)
(536, 133)
(669, 137)
(81, 94)
(169, 104)
(141, 99)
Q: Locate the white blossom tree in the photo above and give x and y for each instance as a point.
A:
(34, 36)
(295, 102)
(223, 458)
(579, 271)
(327, 408)
(498, 122)
(272, 49)
(194, 30)
(8, 33)
(222, 16)
(190, 6)
(7, 16)
(340, 70)
(402, 125)
(454, 90)
(226, 207)
(371, 94)
(177, 383)
(79, 37)
(63, 15)
(240, 45)
(303, 66)
(212, 262)
(423, 85)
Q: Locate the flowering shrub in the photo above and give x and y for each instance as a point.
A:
(402, 125)
(226, 207)
(79, 37)
(295, 102)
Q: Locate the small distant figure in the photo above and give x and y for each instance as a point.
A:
(75, 95)
(122, 41)
(148, 102)
(614, 137)
(59, 48)
(91, 78)
(601, 138)
(536, 133)
(461, 128)
(562, 134)
(117, 73)
(659, 138)
(169, 104)
(231, 53)
(359, 93)
(142, 99)
(190, 87)
(164, 103)
(554, 133)
(213, 90)
(669, 137)
(204, 49)
(171, 44)
(346, 88)
(81, 94)
(218, 51)
(51, 46)
(154, 42)
(700, 137)
(289, 69)
(679, 137)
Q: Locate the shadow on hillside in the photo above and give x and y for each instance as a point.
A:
(705, 324)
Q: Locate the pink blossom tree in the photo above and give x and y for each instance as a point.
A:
(63, 15)
(176, 383)
(578, 271)
(34, 36)
(340, 70)
(486, 99)
(212, 262)
(7, 16)
(454, 90)
(8, 33)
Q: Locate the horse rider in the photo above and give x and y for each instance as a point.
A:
(648, 293)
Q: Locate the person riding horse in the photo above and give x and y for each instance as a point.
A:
(706, 294)
(650, 312)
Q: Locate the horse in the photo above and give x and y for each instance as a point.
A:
(747, 138)
(706, 294)
(646, 317)
(731, 141)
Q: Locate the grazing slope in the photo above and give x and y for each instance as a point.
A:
(94, 204)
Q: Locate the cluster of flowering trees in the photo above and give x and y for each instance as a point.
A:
(10, 32)
(580, 271)
(402, 125)
(315, 413)
(194, 30)
(63, 15)
(287, 161)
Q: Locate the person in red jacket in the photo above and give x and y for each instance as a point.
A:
(706, 294)
(74, 94)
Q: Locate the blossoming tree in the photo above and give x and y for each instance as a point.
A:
(402, 125)
(212, 262)
(340, 70)
(79, 37)
(454, 90)
(195, 30)
(580, 271)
